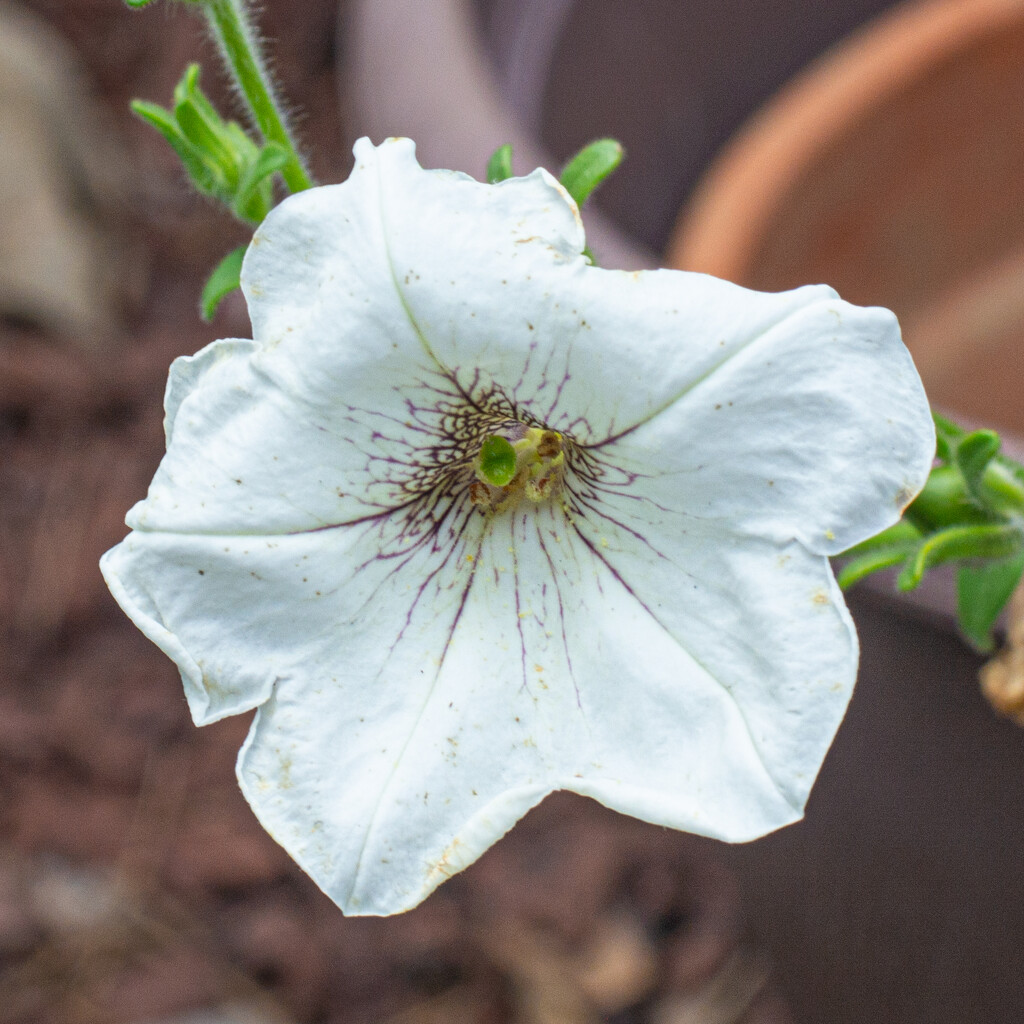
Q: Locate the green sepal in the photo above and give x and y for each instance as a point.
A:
(226, 277)
(992, 483)
(982, 591)
(205, 177)
(188, 90)
(902, 533)
(206, 141)
(499, 167)
(497, 461)
(1002, 486)
(947, 436)
(860, 566)
(589, 167)
(973, 454)
(208, 131)
(255, 197)
(945, 501)
(886, 549)
(220, 158)
(960, 542)
(970, 511)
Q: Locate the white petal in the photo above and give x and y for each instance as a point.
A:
(239, 614)
(494, 282)
(380, 807)
(388, 667)
(249, 453)
(819, 431)
(627, 710)
(339, 406)
(334, 411)
(767, 624)
(372, 336)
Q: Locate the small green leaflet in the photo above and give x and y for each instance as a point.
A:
(224, 280)
(499, 167)
(590, 166)
(982, 591)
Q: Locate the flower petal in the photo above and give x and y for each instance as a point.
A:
(819, 431)
(240, 614)
(470, 738)
(623, 711)
(555, 676)
(371, 336)
(384, 691)
(335, 411)
(249, 452)
(629, 707)
(767, 625)
(339, 406)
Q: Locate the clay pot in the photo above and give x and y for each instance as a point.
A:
(893, 169)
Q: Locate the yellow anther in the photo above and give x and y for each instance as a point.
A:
(540, 464)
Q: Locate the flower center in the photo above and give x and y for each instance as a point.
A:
(517, 463)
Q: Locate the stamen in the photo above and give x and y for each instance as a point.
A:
(531, 467)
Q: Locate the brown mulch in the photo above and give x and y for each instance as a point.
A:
(135, 884)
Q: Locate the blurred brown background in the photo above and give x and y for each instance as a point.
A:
(135, 885)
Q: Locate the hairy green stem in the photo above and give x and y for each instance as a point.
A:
(232, 29)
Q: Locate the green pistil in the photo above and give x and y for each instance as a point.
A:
(497, 462)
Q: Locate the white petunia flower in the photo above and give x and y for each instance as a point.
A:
(471, 520)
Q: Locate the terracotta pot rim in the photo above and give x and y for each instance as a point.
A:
(731, 206)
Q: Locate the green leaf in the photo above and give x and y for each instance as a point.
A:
(590, 166)
(995, 482)
(205, 141)
(239, 142)
(982, 592)
(973, 454)
(254, 197)
(218, 155)
(138, 3)
(960, 542)
(497, 461)
(499, 167)
(159, 118)
(225, 278)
